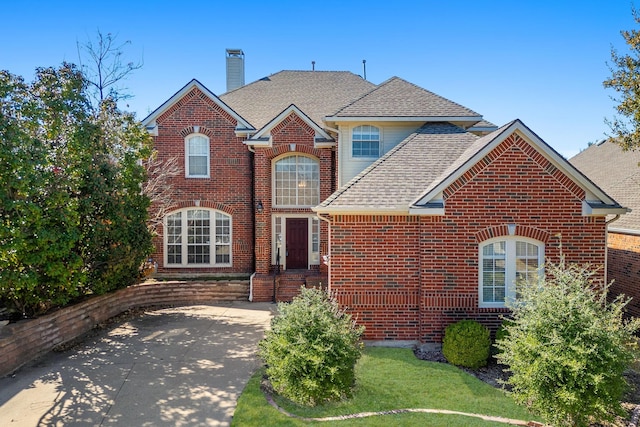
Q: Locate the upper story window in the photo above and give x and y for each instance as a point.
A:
(196, 156)
(365, 142)
(197, 237)
(505, 262)
(297, 181)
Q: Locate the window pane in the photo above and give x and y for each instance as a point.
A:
(493, 272)
(198, 165)
(365, 141)
(297, 181)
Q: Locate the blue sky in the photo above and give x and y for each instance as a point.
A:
(540, 61)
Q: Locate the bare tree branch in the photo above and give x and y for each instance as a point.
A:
(104, 67)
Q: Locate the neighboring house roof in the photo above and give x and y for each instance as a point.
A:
(411, 177)
(316, 93)
(150, 121)
(398, 98)
(617, 172)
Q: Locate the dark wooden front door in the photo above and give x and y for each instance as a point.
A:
(297, 243)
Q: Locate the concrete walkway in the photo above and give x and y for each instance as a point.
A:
(172, 367)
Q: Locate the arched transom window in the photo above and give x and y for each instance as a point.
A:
(297, 181)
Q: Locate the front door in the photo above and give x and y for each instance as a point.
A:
(297, 243)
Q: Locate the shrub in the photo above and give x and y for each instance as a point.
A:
(568, 348)
(501, 334)
(311, 349)
(466, 343)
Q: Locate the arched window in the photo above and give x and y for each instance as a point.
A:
(297, 181)
(197, 237)
(196, 156)
(365, 142)
(505, 262)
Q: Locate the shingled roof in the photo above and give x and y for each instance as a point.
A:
(410, 178)
(399, 98)
(316, 93)
(400, 176)
(618, 173)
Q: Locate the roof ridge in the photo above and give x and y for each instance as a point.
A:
(373, 89)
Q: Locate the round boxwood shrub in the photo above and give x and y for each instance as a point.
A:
(311, 349)
(466, 343)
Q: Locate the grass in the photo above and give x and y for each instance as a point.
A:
(390, 378)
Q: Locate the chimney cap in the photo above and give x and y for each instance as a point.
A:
(235, 52)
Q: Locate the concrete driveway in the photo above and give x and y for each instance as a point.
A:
(181, 366)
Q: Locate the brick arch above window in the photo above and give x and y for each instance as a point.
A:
(280, 150)
(518, 230)
(204, 204)
(185, 132)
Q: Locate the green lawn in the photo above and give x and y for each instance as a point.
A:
(391, 378)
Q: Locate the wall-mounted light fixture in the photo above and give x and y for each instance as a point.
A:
(259, 206)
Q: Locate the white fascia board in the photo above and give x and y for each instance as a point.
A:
(473, 119)
(624, 231)
(361, 210)
(325, 144)
(262, 142)
(596, 208)
(150, 120)
(433, 208)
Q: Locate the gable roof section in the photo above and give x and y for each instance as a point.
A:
(618, 173)
(317, 93)
(149, 122)
(398, 99)
(411, 178)
(263, 138)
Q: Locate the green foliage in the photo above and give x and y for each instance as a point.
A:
(625, 79)
(311, 349)
(501, 334)
(466, 343)
(72, 217)
(568, 348)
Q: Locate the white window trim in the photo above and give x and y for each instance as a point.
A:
(184, 245)
(313, 258)
(366, 158)
(273, 181)
(186, 156)
(510, 263)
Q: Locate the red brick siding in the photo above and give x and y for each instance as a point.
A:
(623, 268)
(228, 189)
(437, 257)
(292, 130)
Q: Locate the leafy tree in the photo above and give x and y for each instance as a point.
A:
(72, 214)
(567, 348)
(625, 79)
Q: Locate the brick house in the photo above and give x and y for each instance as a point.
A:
(406, 196)
(618, 173)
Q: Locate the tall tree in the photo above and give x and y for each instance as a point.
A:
(72, 214)
(104, 67)
(625, 79)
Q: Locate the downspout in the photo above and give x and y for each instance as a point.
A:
(328, 221)
(606, 246)
(253, 218)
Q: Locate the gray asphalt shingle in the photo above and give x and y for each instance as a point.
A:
(618, 174)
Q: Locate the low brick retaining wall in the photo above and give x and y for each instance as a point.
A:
(26, 340)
